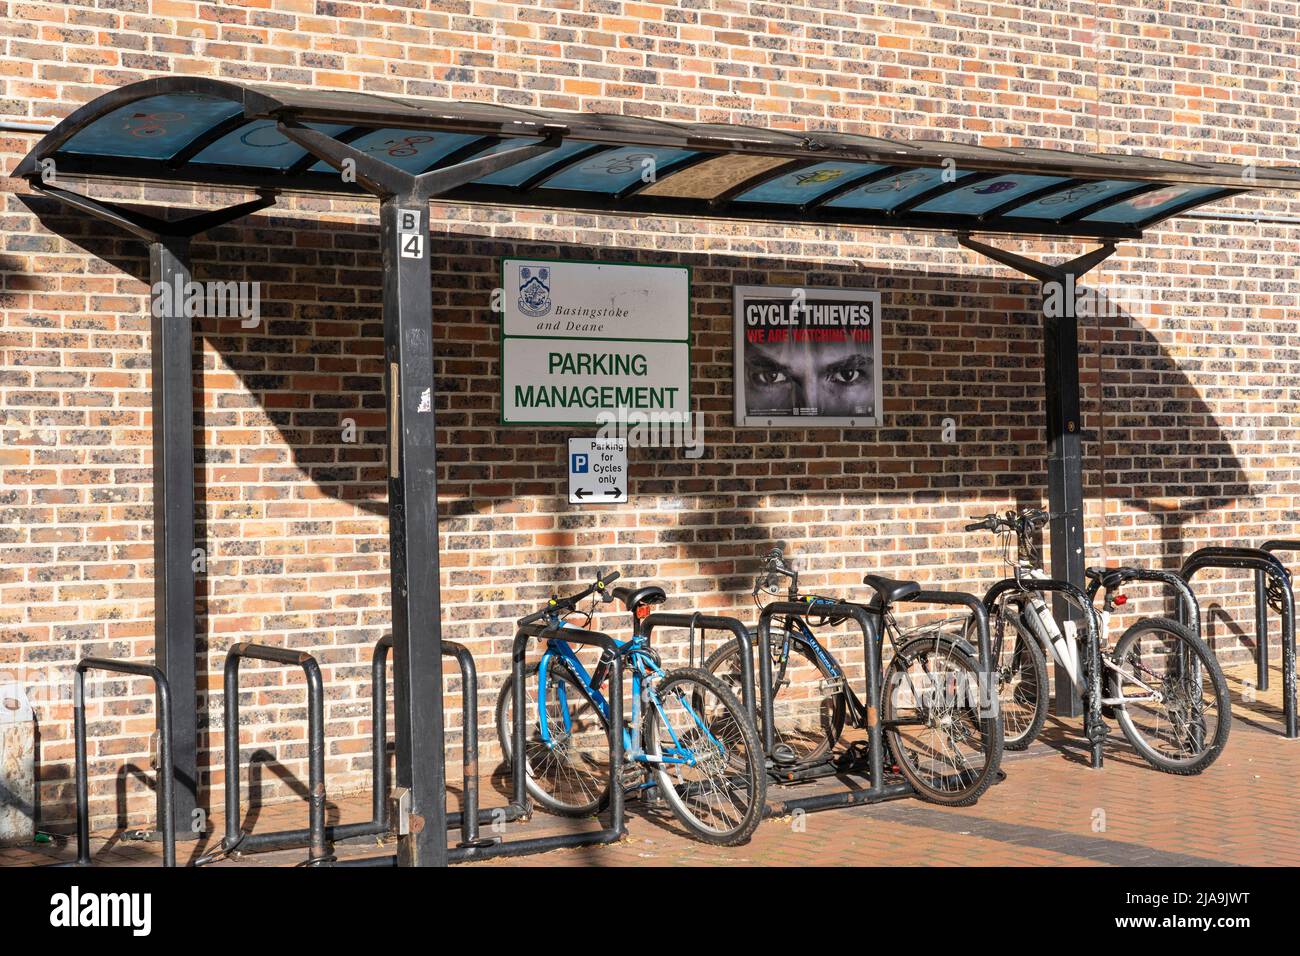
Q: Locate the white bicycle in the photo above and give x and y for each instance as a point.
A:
(1161, 683)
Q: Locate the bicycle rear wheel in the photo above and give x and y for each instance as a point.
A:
(942, 737)
(718, 784)
(807, 702)
(569, 775)
(1186, 729)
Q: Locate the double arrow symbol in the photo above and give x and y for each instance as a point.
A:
(611, 493)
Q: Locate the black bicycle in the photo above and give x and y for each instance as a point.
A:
(943, 741)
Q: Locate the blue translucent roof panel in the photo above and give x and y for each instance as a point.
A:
(980, 197)
(413, 150)
(805, 185)
(1149, 205)
(153, 128)
(520, 173)
(199, 130)
(889, 192)
(261, 145)
(1066, 201)
(616, 169)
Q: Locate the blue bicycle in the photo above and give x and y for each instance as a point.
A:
(687, 734)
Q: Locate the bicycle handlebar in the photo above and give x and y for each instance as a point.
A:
(556, 604)
(1019, 522)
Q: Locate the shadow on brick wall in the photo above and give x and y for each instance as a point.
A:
(272, 425)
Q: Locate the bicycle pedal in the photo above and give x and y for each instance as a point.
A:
(832, 685)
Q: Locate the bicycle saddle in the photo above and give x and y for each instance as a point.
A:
(633, 598)
(890, 590)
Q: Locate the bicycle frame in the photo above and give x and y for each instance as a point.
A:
(797, 629)
(1036, 601)
(644, 671)
(1094, 726)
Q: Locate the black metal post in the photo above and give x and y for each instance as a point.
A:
(469, 818)
(379, 733)
(1064, 479)
(171, 345)
(1261, 631)
(413, 527)
(1064, 430)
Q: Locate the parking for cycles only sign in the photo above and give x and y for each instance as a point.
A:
(597, 471)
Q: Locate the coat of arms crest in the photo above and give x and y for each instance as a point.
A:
(534, 291)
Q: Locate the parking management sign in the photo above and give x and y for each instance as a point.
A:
(579, 339)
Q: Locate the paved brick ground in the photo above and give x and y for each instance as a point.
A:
(1052, 811)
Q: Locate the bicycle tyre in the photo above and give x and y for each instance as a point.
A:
(1183, 636)
(965, 787)
(1022, 689)
(574, 784)
(809, 740)
(741, 762)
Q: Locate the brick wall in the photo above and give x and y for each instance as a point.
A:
(1195, 442)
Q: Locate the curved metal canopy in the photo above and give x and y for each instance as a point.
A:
(211, 132)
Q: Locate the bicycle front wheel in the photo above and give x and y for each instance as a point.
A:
(568, 766)
(944, 738)
(1021, 674)
(707, 757)
(1169, 696)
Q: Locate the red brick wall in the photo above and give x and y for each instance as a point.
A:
(1201, 373)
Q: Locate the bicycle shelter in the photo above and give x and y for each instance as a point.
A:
(192, 131)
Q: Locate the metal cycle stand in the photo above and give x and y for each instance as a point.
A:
(378, 825)
(236, 840)
(166, 783)
(1094, 727)
(1261, 606)
(703, 623)
(983, 644)
(1189, 609)
(519, 807)
(1265, 565)
(471, 816)
(519, 762)
(868, 623)
(877, 790)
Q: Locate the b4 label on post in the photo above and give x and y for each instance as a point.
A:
(410, 240)
(597, 471)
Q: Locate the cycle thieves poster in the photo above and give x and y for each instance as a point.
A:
(807, 356)
(582, 339)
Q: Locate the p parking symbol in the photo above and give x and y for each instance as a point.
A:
(579, 465)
